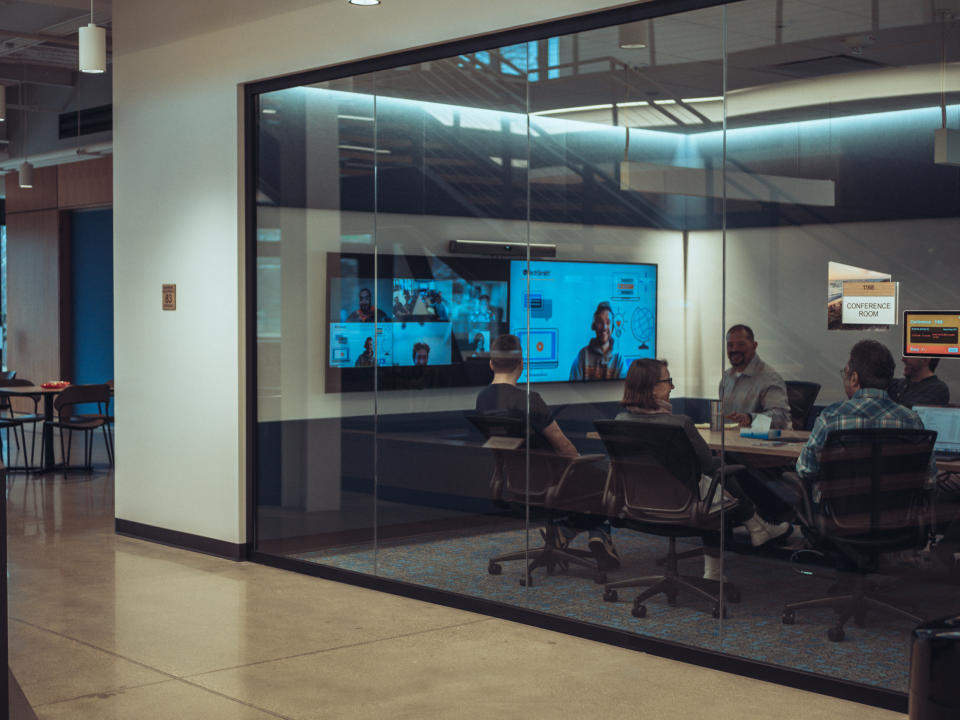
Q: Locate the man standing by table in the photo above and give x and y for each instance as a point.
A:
(750, 387)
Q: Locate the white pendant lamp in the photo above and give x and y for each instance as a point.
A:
(25, 175)
(364, 2)
(93, 47)
(635, 35)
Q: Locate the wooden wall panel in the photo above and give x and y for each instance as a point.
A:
(34, 294)
(42, 196)
(86, 184)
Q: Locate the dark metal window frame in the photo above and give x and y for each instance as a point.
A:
(714, 659)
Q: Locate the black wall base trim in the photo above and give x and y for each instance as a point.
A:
(187, 541)
(841, 689)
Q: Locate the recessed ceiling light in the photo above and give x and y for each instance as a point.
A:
(364, 2)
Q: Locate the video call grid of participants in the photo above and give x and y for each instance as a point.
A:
(430, 322)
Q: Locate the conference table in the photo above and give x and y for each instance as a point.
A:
(47, 462)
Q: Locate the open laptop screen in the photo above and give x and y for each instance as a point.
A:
(946, 421)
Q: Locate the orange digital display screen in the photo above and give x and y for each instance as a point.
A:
(931, 333)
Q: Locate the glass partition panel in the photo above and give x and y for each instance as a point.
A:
(619, 318)
(451, 138)
(317, 328)
(841, 214)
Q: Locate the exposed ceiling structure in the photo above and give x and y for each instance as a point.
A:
(38, 34)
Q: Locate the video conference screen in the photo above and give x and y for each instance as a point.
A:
(929, 333)
(429, 321)
(587, 321)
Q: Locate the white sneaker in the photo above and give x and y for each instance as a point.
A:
(762, 532)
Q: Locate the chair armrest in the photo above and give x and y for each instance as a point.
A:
(576, 490)
(803, 490)
(581, 459)
(718, 476)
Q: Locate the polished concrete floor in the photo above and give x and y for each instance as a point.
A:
(103, 626)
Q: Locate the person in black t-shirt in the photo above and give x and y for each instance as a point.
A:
(919, 385)
(503, 397)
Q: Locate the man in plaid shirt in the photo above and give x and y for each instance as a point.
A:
(865, 379)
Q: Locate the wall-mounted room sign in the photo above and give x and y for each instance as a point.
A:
(169, 297)
(869, 303)
(840, 274)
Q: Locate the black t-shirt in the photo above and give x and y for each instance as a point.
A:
(929, 391)
(511, 401)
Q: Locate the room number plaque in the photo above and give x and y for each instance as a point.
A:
(169, 297)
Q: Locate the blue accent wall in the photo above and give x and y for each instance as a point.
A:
(91, 281)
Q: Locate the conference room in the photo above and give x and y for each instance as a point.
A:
(462, 261)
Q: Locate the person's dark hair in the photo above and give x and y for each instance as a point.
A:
(484, 296)
(745, 328)
(420, 346)
(601, 308)
(873, 363)
(506, 354)
(365, 290)
(642, 376)
(933, 363)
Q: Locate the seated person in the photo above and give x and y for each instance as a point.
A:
(503, 397)
(646, 399)
(866, 377)
(365, 359)
(750, 386)
(597, 360)
(919, 385)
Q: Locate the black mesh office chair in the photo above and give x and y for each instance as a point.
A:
(869, 498)
(655, 488)
(801, 396)
(555, 486)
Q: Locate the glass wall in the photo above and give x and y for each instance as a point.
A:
(468, 267)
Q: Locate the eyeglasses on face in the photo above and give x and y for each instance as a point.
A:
(666, 380)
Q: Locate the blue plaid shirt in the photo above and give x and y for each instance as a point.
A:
(868, 408)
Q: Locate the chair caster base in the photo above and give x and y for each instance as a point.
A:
(717, 611)
(494, 568)
(639, 611)
(835, 634)
(788, 618)
(610, 595)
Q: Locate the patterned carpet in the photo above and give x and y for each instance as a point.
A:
(877, 654)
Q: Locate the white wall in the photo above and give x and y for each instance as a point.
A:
(777, 284)
(177, 216)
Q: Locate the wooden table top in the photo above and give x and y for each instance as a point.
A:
(788, 445)
(29, 390)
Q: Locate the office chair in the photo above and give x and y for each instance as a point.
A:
(554, 487)
(872, 491)
(655, 488)
(801, 396)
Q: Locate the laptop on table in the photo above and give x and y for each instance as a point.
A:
(946, 421)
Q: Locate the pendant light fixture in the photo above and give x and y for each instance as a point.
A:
(364, 2)
(93, 47)
(635, 35)
(25, 173)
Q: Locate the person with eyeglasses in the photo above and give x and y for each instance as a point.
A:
(866, 377)
(646, 399)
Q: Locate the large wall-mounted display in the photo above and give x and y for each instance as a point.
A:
(429, 321)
